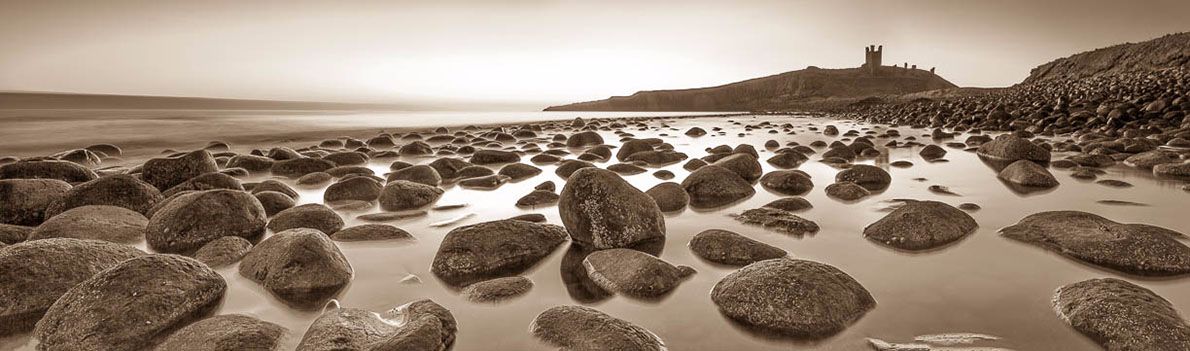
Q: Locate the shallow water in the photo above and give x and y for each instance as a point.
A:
(983, 284)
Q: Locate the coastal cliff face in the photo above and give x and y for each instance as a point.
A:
(1170, 51)
(773, 92)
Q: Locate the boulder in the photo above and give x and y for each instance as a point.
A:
(223, 251)
(251, 163)
(313, 216)
(12, 234)
(921, 225)
(165, 173)
(115, 190)
(1172, 169)
(714, 186)
(538, 198)
(487, 157)
(633, 273)
(34, 274)
(787, 182)
(669, 196)
(796, 298)
(519, 171)
(496, 290)
(791, 204)
(787, 160)
(65, 171)
(27, 201)
(493, 249)
(1149, 159)
(420, 325)
(1027, 174)
(932, 152)
(602, 210)
(1139, 249)
(584, 328)
(193, 219)
(870, 177)
(97, 222)
(422, 174)
(129, 305)
(302, 267)
(229, 332)
(1122, 316)
(744, 165)
(1009, 147)
(371, 232)
(353, 188)
(405, 195)
(274, 202)
(846, 191)
(297, 167)
(586, 138)
(779, 220)
(726, 247)
(568, 167)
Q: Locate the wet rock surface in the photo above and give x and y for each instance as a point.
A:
(730, 248)
(367, 232)
(713, 186)
(115, 190)
(585, 328)
(602, 210)
(27, 201)
(633, 273)
(796, 298)
(194, 219)
(494, 249)
(779, 220)
(108, 223)
(302, 267)
(1139, 249)
(496, 290)
(418, 325)
(313, 216)
(1122, 316)
(229, 332)
(405, 195)
(921, 225)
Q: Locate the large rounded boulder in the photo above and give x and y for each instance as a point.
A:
(634, 273)
(1009, 147)
(870, 177)
(354, 188)
(713, 186)
(494, 249)
(129, 305)
(797, 298)
(165, 173)
(921, 225)
(602, 210)
(420, 325)
(1122, 316)
(66, 171)
(229, 332)
(115, 190)
(34, 274)
(28, 201)
(193, 219)
(585, 328)
(1139, 249)
(313, 216)
(406, 195)
(743, 164)
(302, 267)
(1026, 174)
(98, 222)
(787, 182)
(729, 248)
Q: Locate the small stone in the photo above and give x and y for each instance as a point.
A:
(497, 290)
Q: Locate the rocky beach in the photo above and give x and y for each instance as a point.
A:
(900, 213)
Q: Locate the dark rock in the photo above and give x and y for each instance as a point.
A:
(584, 328)
(1122, 316)
(36, 273)
(568, 167)
(631, 147)
(633, 273)
(115, 190)
(193, 219)
(66, 171)
(493, 249)
(252, 163)
(487, 157)
(371, 232)
(313, 216)
(669, 196)
(223, 251)
(787, 160)
(1139, 249)
(1028, 174)
(744, 165)
(302, 267)
(538, 198)
(487, 182)
(354, 188)
(97, 222)
(531, 217)
(519, 171)
(12, 234)
(129, 305)
(1009, 147)
(603, 211)
(422, 174)
(779, 220)
(496, 290)
(1172, 169)
(870, 177)
(229, 332)
(208, 181)
(295, 168)
(725, 247)
(847, 191)
(274, 202)
(626, 168)
(165, 173)
(664, 174)
(586, 138)
(405, 195)
(419, 325)
(695, 132)
(448, 167)
(787, 182)
(714, 186)
(657, 158)
(797, 298)
(921, 225)
(28, 201)
(791, 204)
(315, 179)
(1149, 159)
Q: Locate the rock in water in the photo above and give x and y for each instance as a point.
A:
(1132, 248)
(297, 167)
(115, 190)
(725, 247)
(586, 138)
(496, 290)
(223, 251)
(713, 186)
(797, 298)
(371, 232)
(494, 249)
(1025, 173)
(27, 201)
(634, 273)
(417, 326)
(354, 188)
(107, 223)
(1009, 147)
(65, 171)
(669, 196)
(165, 173)
(1122, 316)
(779, 220)
(602, 210)
(300, 266)
(584, 328)
(313, 216)
(274, 202)
(229, 332)
(932, 152)
(191, 220)
(787, 182)
(34, 274)
(745, 165)
(405, 195)
(921, 225)
(537, 198)
(870, 177)
(129, 305)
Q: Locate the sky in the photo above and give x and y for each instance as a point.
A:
(532, 53)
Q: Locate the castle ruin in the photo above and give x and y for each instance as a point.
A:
(873, 61)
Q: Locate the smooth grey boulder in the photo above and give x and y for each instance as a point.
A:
(193, 219)
(1009, 147)
(371, 232)
(786, 160)
(354, 188)
(921, 225)
(98, 222)
(846, 191)
(1122, 316)
(1139, 249)
(223, 251)
(779, 220)
(1025, 173)
(251, 163)
(669, 196)
(131, 304)
(34, 274)
(417, 326)
(488, 157)
(65, 171)
(496, 290)
(297, 167)
(115, 190)
(713, 186)
(302, 267)
(582, 328)
(585, 138)
(730, 248)
(165, 173)
(422, 174)
(604, 211)
(205, 181)
(519, 171)
(870, 177)
(787, 182)
(229, 332)
(743, 164)
(405, 195)
(796, 298)
(27, 201)
(274, 202)
(634, 273)
(538, 198)
(493, 249)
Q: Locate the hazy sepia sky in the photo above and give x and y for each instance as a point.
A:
(532, 51)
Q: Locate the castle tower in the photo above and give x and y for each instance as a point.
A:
(872, 58)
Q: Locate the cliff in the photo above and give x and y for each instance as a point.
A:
(782, 91)
(1169, 51)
